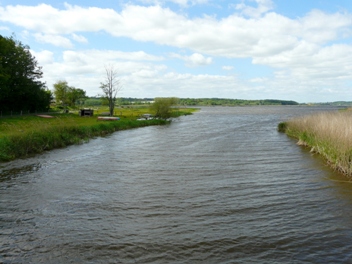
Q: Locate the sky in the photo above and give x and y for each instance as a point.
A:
(242, 49)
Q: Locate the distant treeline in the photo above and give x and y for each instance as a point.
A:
(95, 101)
(233, 102)
(193, 102)
(337, 103)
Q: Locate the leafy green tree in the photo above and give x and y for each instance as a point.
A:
(162, 106)
(61, 90)
(67, 95)
(76, 95)
(20, 85)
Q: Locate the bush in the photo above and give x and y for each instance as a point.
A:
(161, 107)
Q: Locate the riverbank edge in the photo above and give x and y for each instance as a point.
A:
(35, 142)
(338, 161)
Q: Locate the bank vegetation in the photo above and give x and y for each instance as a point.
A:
(22, 136)
(328, 134)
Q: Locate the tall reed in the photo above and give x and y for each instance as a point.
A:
(327, 133)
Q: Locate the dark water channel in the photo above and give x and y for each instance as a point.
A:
(220, 186)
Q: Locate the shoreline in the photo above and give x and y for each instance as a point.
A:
(27, 135)
(26, 143)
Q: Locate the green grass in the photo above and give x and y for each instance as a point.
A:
(329, 134)
(27, 135)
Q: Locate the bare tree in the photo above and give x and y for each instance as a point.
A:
(111, 87)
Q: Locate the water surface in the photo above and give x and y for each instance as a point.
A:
(220, 186)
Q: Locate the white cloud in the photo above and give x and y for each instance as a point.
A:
(143, 78)
(44, 57)
(308, 61)
(299, 50)
(55, 40)
(182, 3)
(85, 69)
(110, 56)
(259, 80)
(139, 77)
(79, 38)
(232, 36)
(319, 27)
(49, 20)
(2, 28)
(186, 3)
(227, 68)
(197, 59)
(263, 7)
(194, 60)
(176, 84)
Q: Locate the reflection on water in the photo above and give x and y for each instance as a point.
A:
(220, 186)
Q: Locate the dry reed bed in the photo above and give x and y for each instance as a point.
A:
(327, 133)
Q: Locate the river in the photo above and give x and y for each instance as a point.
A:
(219, 186)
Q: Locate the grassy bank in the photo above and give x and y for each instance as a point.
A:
(329, 134)
(27, 135)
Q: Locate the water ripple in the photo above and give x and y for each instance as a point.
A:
(221, 186)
